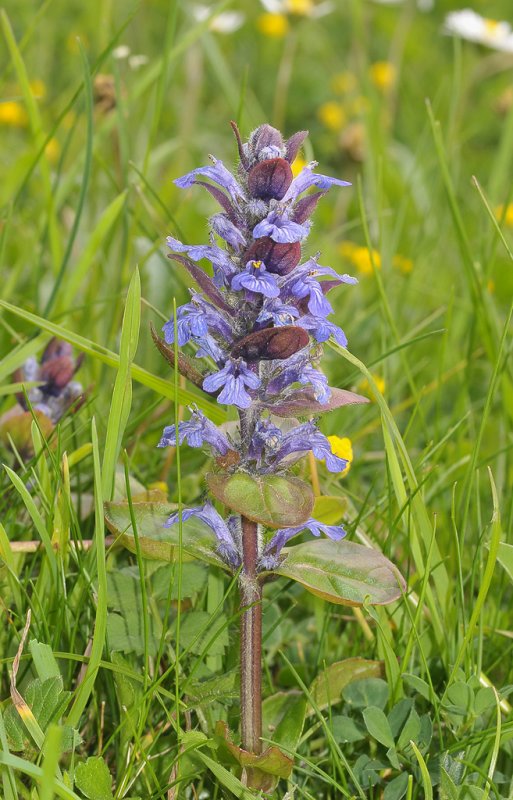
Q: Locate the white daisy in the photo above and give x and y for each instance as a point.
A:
(467, 24)
(302, 8)
(225, 22)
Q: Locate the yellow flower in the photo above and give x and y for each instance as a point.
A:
(297, 165)
(505, 215)
(342, 448)
(343, 82)
(383, 74)
(53, 150)
(38, 89)
(13, 114)
(303, 8)
(365, 387)
(361, 257)
(273, 25)
(332, 115)
(403, 264)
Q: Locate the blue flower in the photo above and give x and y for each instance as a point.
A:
(234, 377)
(322, 329)
(226, 229)
(308, 178)
(194, 320)
(298, 369)
(311, 288)
(218, 173)
(307, 437)
(277, 312)
(266, 438)
(255, 278)
(209, 348)
(271, 552)
(196, 430)
(227, 548)
(280, 228)
(219, 258)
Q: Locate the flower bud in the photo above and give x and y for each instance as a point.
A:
(278, 257)
(270, 179)
(271, 343)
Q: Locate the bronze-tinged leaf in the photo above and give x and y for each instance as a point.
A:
(185, 365)
(328, 685)
(271, 343)
(278, 257)
(303, 403)
(344, 572)
(278, 501)
(270, 179)
(264, 769)
(305, 207)
(205, 283)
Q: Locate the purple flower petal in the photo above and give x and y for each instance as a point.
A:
(283, 535)
(255, 278)
(227, 548)
(228, 231)
(281, 229)
(197, 430)
(308, 178)
(218, 173)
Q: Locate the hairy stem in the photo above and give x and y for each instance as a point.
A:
(250, 641)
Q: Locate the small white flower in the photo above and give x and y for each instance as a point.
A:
(120, 52)
(137, 61)
(302, 8)
(226, 22)
(467, 24)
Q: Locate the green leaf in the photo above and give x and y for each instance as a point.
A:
(417, 684)
(367, 692)
(93, 779)
(342, 572)
(410, 732)
(327, 687)
(194, 577)
(156, 541)
(329, 510)
(396, 789)
(283, 718)
(378, 725)
(44, 660)
(198, 627)
(346, 730)
(274, 500)
(45, 704)
(126, 632)
(505, 557)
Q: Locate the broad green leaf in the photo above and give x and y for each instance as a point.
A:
(45, 703)
(327, 687)
(410, 731)
(274, 500)
(378, 725)
(283, 718)
(396, 789)
(418, 684)
(93, 779)
(219, 688)
(44, 660)
(367, 692)
(343, 572)
(346, 730)
(329, 510)
(194, 577)
(156, 541)
(126, 633)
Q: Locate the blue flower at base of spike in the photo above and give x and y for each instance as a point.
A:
(280, 228)
(225, 532)
(255, 278)
(197, 430)
(270, 557)
(298, 369)
(234, 377)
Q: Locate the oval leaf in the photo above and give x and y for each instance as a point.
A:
(156, 542)
(327, 687)
(271, 343)
(343, 572)
(273, 762)
(303, 402)
(274, 500)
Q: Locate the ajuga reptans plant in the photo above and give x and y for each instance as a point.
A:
(257, 327)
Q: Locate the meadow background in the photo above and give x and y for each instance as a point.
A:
(91, 139)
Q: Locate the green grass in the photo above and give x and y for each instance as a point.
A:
(145, 653)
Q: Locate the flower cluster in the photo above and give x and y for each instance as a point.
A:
(258, 324)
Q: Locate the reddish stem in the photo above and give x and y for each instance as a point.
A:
(250, 641)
